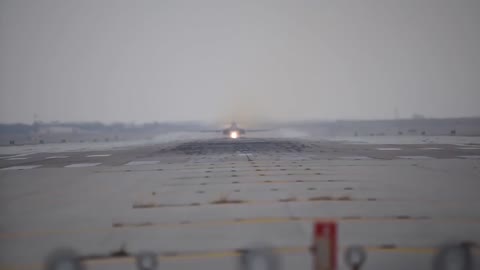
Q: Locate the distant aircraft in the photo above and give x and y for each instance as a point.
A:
(233, 131)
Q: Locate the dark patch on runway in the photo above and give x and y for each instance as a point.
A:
(245, 146)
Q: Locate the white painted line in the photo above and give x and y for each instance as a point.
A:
(470, 157)
(25, 167)
(389, 149)
(82, 165)
(430, 148)
(142, 162)
(100, 155)
(356, 158)
(414, 157)
(54, 157)
(468, 148)
(17, 158)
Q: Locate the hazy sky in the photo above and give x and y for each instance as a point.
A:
(124, 60)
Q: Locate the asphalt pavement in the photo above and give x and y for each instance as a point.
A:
(197, 204)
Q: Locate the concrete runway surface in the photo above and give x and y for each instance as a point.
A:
(196, 203)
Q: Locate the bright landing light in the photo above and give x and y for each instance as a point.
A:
(233, 134)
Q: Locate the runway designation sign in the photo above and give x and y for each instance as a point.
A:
(325, 245)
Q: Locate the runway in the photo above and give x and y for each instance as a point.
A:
(197, 203)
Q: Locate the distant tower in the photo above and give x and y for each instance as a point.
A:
(36, 123)
(35, 128)
(397, 124)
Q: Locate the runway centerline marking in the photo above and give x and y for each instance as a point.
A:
(389, 149)
(99, 155)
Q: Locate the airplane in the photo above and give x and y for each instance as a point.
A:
(233, 131)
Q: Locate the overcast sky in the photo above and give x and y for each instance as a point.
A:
(124, 60)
